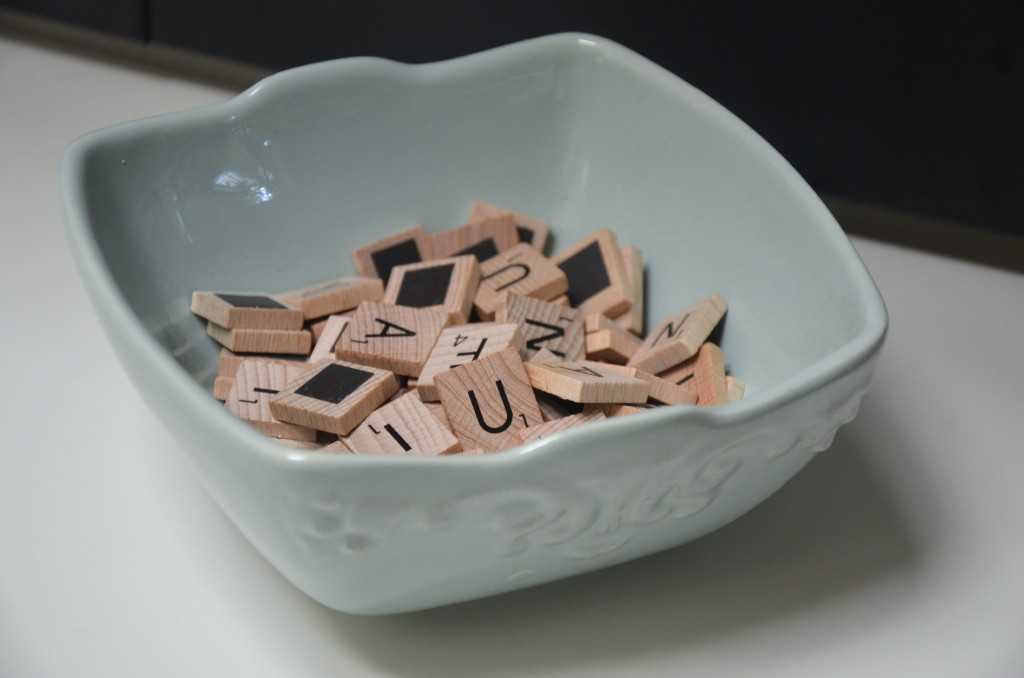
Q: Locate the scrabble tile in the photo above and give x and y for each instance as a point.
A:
(228, 361)
(448, 284)
(333, 396)
(562, 300)
(379, 257)
(543, 354)
(597, 277)
(662, 390)
(544, 325)
(703, 374)
(336, 447)
(488, 401)
(394, 338)
(519, 270)
(532, 230)
(734, 388)
(606, 341)
(585, 382)
(222, 387)
(483, 239)
(246, 310)
(550, 427)
(334, 296)
(404, 427)
(254, 384)
(437, 409)
(325, 346)
(462, 344)
(623, 409)
(553, 408)
(633, 263)
(242, 340)
(678, 337)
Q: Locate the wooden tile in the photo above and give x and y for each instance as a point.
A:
(325, 346)
(609, 346)
(532, 230)
(678, 337)
(222, 387)
(246, 310)
(734, 388)
(261, 341)
(336, 447)
(316, 328)
(662, 390)
(255, 383)
(550, 427)
(562, 300)
(553, 408)
(488, 401)
(228, 361)
(483, 239)
(597, 277)
(334, 296)
(703, 374)
(379, 257)
(586, 382)
(403, 427)
(608, 342)
(333, 396)
(395, 338)
(544, 325)
(437, 409)
(462, 344)
(448, 284)
(633, 263)
(519, 270)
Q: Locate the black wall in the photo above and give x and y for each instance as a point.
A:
(913, 105)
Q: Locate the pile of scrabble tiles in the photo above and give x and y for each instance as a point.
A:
(465, 341)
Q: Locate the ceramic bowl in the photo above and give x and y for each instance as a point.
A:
(272, 189)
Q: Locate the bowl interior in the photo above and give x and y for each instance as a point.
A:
(271, 191)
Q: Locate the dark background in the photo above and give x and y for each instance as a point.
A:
(916, 106)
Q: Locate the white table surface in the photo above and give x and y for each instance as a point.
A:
(899, 552)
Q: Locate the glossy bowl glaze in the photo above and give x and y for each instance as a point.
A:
(272, 189)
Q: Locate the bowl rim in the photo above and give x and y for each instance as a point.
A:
(108, 300)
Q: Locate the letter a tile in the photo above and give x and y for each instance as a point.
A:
(395, 338)
(586, 382)
(488, 401)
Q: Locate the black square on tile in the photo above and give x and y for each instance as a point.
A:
(334, 383)
(405, 252)
(425, 286)
(483, 250)
(586, 273)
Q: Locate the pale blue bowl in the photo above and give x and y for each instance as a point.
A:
(271, 190)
